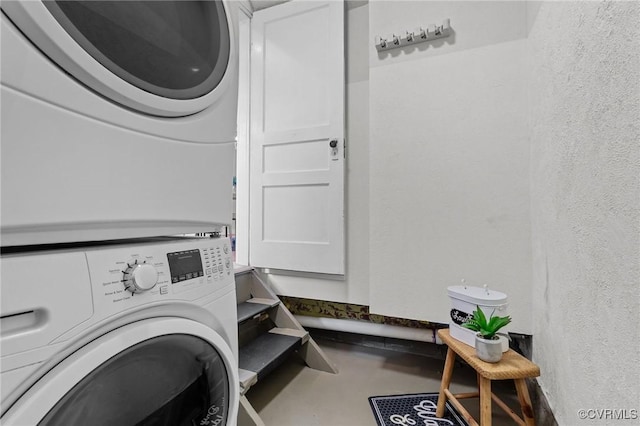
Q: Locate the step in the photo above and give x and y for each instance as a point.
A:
(254, 307)
(267, 351)
(247, 379)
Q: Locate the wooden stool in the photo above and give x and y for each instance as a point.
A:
(511, 366)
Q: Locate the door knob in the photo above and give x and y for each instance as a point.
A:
(333, 143)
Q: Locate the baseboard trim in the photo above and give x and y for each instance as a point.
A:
(431, 350)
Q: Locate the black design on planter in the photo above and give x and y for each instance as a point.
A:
(460, 317)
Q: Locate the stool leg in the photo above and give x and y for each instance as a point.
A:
(446, 379)
(525, 402)
(485, 401)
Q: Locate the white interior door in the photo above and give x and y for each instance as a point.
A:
(297, 137)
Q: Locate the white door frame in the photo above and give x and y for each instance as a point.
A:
(244, 138)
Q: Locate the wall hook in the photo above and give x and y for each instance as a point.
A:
(418, 35)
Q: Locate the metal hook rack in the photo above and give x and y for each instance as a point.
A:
(419, 35)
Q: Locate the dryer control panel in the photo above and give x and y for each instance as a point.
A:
(184, 269)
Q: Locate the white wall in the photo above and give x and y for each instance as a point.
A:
(449, 159)
(355, 287)
(585, 132)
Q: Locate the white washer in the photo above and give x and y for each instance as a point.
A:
(122, 334)
(118, 118)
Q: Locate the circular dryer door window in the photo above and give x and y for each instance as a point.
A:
(169, 380)
(173, 49)
(165, 58)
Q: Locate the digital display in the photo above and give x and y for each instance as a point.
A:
(185, 265)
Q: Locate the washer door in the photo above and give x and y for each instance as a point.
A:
(155, 372)
(166, 57)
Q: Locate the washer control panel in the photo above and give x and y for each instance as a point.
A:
(183, 269)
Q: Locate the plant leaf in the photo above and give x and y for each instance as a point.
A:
(501, 322)
(471, 325)
(494, 324)
(480, 317)
(487, 329)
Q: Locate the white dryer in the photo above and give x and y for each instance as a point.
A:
(118, 118)
(124, 334)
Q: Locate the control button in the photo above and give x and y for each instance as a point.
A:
(164, 289)
(208, 271)
(140, 277)
(226, 249)
(227, 264)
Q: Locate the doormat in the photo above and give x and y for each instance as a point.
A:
(414, 409)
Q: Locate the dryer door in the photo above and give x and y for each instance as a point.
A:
(155, 372)
(166, 57)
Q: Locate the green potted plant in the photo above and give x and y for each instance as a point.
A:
(488, 344)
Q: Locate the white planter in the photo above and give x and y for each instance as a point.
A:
(464, 300)
(489, 350)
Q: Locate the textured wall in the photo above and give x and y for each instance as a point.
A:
(584, 126)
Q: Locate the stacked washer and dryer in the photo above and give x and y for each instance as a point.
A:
(118, 132)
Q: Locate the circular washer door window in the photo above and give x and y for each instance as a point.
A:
(177, 380)
(166, 58)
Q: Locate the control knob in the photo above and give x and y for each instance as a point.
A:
(140, 277)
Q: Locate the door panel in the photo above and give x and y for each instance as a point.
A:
(295, 157)
(304, 204)
(297, 172)
(296, 68)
